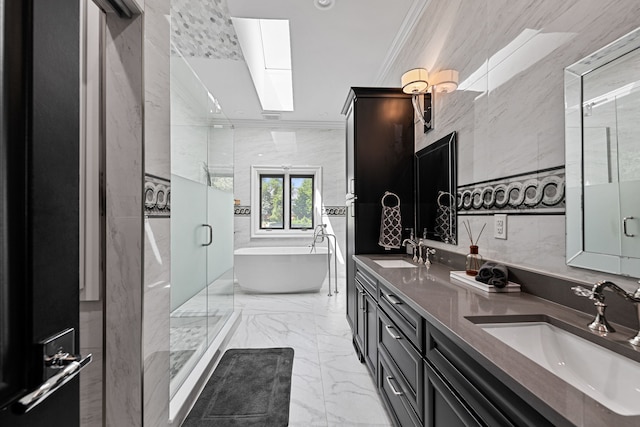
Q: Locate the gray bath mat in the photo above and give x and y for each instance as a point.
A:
(250, 387)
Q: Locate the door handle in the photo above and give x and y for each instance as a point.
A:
(210, 235)
(624, 226)
(37, 396)
(59, 367)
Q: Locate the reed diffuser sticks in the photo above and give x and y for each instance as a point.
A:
(467, 226)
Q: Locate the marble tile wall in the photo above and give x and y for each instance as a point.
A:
(509, 107)
(91, 330)
(157, 225)
(312, 147)
(124, 222)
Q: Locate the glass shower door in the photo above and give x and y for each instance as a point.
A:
(220, 216)
(201, 221)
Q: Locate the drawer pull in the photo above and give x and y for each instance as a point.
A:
(393, 389)
(393, 299)
(389, 328)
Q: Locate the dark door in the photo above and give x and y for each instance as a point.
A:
(39, 241)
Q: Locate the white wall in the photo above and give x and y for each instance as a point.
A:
(509, 108)
(313, 147)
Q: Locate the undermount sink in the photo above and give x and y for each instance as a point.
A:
(609, 378)
(394, 263)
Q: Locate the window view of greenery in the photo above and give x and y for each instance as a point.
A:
(301, 201)
(272, 201)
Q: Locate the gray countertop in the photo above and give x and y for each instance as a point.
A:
(446, 305)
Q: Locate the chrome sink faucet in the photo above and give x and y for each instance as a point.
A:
(414, 245)
(600, 323)
(417, 245)
(411, 240)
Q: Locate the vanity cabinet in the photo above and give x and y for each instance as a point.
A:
(485, 399)
(379, 157)
(425, 378)
(405, 361)
(365, 336)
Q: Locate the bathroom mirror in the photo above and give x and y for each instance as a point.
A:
(436, 191)
(602, 132)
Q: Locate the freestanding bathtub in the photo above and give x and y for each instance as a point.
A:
(268, 270)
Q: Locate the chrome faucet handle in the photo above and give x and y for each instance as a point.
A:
(582, 292)
(428, 251)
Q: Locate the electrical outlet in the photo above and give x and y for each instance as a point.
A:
(500, 226)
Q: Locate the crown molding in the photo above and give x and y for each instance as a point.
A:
(406, 28)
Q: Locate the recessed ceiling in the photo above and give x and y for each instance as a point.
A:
(332, 49)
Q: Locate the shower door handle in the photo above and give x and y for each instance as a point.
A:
(624, 226)
(210, 235)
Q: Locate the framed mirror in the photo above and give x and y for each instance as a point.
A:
(436, 215)
(602, 134)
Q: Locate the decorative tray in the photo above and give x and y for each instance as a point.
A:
(460, 277)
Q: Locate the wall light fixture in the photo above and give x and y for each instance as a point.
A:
(445, 81)
(416, 83)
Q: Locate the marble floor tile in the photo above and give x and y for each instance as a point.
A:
(329, 386)
(343, 375)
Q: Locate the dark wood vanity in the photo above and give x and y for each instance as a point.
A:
(434, 367)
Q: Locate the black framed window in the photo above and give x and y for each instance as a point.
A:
(301, 201)
(271, 202)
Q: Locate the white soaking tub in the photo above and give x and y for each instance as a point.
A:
(268, 270)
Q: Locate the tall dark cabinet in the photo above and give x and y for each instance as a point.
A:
(380, 157)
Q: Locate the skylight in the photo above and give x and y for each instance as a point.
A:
(266, 47)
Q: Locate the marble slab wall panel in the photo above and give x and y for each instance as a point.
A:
(156, 88)
(91, 330)
(312, 147)
(124, 222)
(509, 107)
(157, 225)
(156, 327)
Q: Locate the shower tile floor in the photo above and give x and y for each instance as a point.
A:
(330, 387)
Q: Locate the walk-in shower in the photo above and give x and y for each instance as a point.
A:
(201, 220)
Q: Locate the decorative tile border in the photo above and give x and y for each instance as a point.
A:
(334, 211)
(242, 210)
(157, 196)
(539, 192)
(326, 210)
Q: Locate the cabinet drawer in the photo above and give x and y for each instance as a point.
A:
(394, 395)
(405, 359)
(490, 399)
(404, 317)
(443, 407)
(367, 281)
